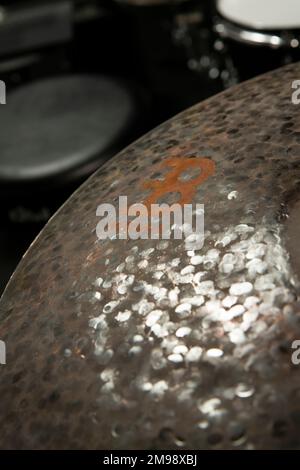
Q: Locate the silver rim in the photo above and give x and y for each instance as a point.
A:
(247, 36)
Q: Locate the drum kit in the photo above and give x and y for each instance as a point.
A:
(141, 343)
(258, 36)
(220, 42)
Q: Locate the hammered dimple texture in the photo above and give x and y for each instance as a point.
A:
(135, 344)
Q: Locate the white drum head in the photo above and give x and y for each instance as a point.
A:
(262, 14)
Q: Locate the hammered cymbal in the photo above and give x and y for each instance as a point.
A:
(139, 344)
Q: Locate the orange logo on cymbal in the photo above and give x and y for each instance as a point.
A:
(172, 183)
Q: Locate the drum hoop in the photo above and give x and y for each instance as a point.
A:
(228, 30)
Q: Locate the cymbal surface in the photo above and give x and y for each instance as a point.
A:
(140, 344)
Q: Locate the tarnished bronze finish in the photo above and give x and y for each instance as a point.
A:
(141, 344)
